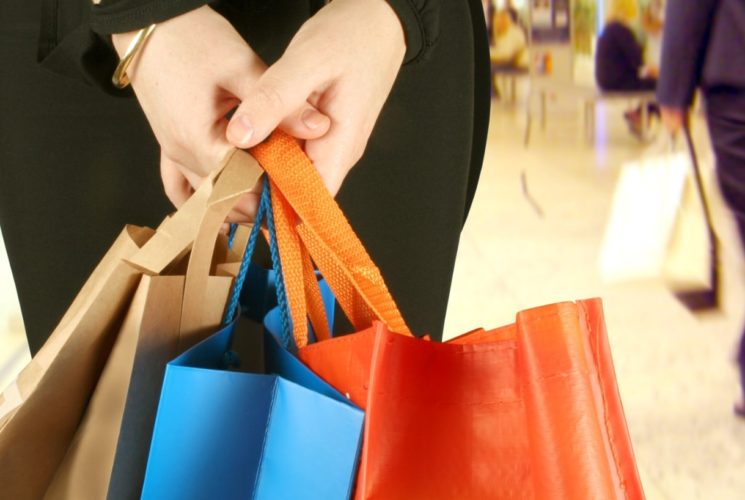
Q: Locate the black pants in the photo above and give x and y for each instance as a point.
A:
(76, 165)
(725, 113)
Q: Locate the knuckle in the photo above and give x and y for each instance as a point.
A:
(268, 95)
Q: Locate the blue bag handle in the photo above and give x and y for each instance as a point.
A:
(264, 211)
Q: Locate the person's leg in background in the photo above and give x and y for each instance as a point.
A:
(725, 114)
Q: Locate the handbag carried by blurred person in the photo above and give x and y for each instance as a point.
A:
(89, 396)
(530, 409)
(692, 264)
(660, 227)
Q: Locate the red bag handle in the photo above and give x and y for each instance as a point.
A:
(329, 238)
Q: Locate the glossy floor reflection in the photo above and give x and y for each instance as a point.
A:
(675, 370)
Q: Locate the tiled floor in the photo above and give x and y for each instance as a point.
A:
(674, 369)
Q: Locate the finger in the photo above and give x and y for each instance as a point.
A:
(176, 186)
(195, 180)
(307, 123)
(282, 91)
(336, 153)
(245, 209)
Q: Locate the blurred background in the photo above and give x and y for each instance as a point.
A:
(557, 143)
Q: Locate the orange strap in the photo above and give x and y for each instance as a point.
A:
(324, 230)
(302, 290)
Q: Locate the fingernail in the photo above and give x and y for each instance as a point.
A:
(241, 130)
(312, 118)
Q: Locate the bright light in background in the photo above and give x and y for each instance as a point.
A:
(14, 353)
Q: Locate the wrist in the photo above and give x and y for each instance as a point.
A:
(121, 41)
(121, 76)
(394, 29)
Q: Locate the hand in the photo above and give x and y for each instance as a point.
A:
(673, 119)
(344, 61)
(192, 71)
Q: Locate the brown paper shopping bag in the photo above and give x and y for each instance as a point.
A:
(56, 385)
(132, 308)
(167, 315)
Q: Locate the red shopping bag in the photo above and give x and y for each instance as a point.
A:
(529, 410)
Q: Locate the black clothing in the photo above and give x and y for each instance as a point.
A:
(618, 60)
(705, 47)
(725, 116)
(76, 164)
(420, 18)
(74, 33)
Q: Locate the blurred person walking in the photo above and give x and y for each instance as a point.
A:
(704, 46)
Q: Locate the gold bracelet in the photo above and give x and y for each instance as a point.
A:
(120, 79)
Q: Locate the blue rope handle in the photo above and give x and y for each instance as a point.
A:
(287, 340)
(231, 235)
(245, 262)
(264, 210)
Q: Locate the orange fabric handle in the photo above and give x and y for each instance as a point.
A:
(324, 230)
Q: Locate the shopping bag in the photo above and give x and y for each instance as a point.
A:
(83, 428)
(642, 217)
(222, 433)
(56, 385)
(528, 410)
(109, 452)
(660, 228)
(691, 268)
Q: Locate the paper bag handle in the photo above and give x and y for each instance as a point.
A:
(175, 235)
(240, 176)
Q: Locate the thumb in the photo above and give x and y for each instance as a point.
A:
(281, 92)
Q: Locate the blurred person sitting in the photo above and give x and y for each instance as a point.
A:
(619, 61)
(510, 44)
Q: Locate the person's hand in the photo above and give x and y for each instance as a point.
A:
(192, 71)
(673, 119)
(344, 61)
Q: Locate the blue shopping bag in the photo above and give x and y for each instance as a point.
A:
(221, 433)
